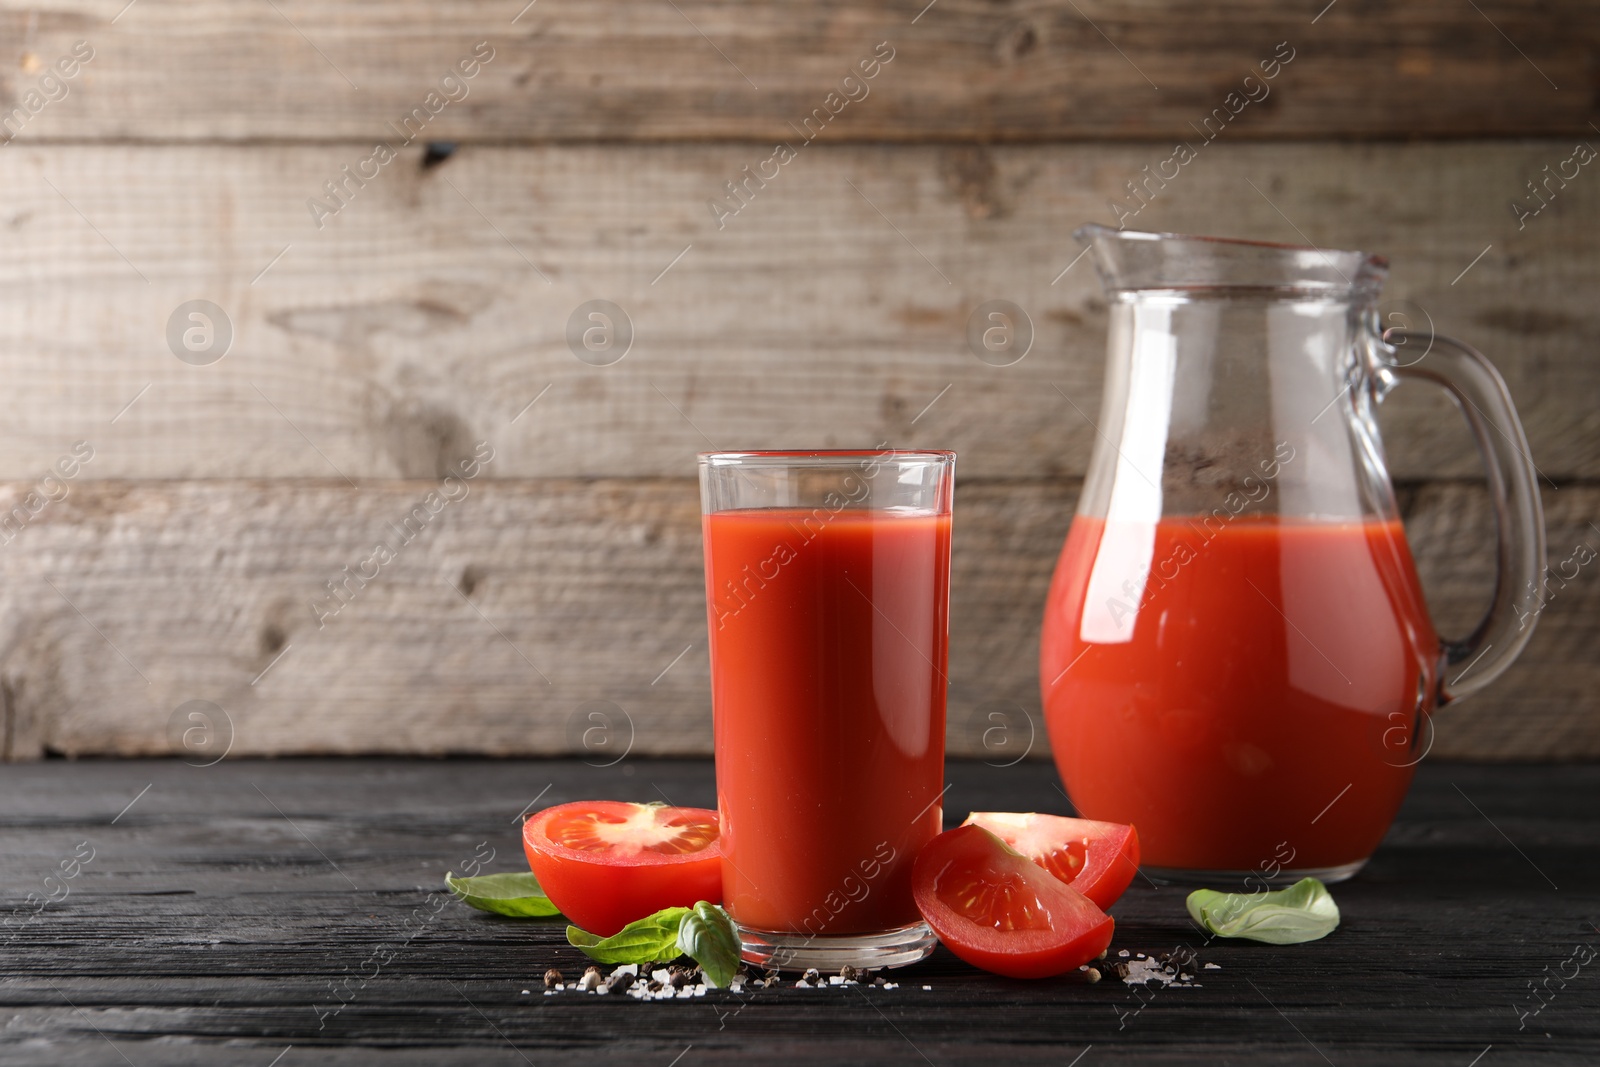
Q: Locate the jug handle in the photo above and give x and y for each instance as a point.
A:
(1481, 396)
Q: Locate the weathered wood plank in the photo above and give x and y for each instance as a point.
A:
(1550, 698)
(215, 922)
(124, 601)
(962, 70)
(832, 310)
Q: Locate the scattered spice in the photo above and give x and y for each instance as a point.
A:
(1183, 957)
(1177, 967)
(677, 981)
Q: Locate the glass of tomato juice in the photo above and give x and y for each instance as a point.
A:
(827, 598)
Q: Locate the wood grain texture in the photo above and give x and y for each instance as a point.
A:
(831, 311)
(525, 609)
(229, 906)
(963, 69)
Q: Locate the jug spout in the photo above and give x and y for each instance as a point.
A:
(1133, 260)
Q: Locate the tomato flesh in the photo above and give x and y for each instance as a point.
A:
(605, 863)
(997, 899)
(1098, 859)
(996, 909)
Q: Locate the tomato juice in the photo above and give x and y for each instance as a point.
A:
(829, 631)
(1242, 693)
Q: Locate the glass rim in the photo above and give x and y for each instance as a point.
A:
(1095, 229)
(1230, 263)
(823, 457)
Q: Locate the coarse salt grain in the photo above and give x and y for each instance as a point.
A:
(1124, 953)
(924, 987)
(1146, 970)
(1212, 967)
(1141, 971)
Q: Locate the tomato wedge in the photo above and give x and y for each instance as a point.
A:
(1098, 859)
(605, 863)
(997, 910)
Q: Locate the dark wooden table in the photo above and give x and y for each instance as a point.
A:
(236, 913)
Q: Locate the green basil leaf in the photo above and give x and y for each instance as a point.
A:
(516, 895)
(1303, 912)
(655, 937)
(707, 936)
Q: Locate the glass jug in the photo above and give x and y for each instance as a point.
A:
(1236, 656)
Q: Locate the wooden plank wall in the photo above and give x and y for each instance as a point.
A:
(182, 152)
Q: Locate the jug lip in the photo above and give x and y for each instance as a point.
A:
(1228, 263)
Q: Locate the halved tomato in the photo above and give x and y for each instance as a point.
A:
(1098, 859)
(997, 910)
(605, 863)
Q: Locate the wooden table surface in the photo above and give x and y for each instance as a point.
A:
(232, 914)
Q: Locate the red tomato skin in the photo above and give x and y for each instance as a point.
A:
(1031, 965)
(1108, 878)
(603, 894)
(999, 953)
(1116, 881)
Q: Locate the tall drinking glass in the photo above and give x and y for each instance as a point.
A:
(827, 597)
